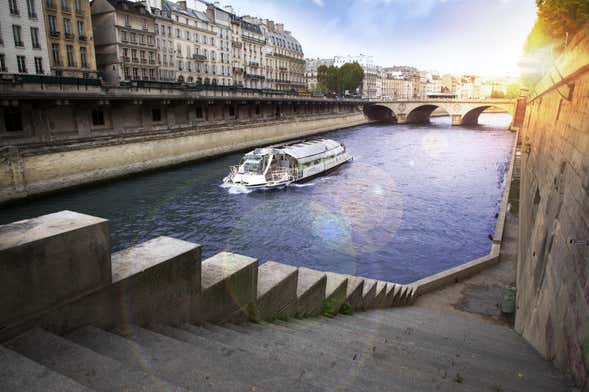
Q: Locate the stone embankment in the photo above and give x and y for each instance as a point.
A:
(553, 260)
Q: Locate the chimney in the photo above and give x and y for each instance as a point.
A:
(211, 11)
(182, 4)
(280, 27)
(270, 24)
(229, 9)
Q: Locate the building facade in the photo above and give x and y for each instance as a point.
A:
(124, 35)
(23, 42)
(285, 63)
(70, 39)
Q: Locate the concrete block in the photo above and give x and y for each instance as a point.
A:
(354, 292)
(369, 294)
(277, 291)
(310, 292)
(381, 294)
(157, 280)
(49, 260)
(229, 289)
(389, 296)
(335, 292)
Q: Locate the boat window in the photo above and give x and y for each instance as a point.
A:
(253, 165)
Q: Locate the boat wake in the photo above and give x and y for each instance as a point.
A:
(305, 185)
(235, 189)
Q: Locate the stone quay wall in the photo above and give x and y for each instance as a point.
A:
(28, 169)
(553, 255)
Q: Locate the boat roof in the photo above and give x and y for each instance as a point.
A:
(309, 148)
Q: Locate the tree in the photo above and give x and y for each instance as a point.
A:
(557, 22)
(336, 80)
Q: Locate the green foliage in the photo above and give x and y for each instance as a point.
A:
(336, 80)
(458, 378)
(347, 309)
(330, 309)
(558, 20)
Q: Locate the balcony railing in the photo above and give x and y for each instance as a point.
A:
(69, 36)
(82, 38)
(135, 60)
(143, 61)
(199, 57)
(54, 33)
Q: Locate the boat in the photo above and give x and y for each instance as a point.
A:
(283, 164)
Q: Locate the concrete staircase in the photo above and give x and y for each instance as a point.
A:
(165, 321)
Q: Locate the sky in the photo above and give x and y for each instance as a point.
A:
(483, 37)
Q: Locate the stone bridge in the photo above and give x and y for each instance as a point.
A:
(462, 112)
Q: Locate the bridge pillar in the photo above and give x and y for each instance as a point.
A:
(401, 118)
(456, 119)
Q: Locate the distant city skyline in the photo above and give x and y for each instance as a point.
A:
(483, 37)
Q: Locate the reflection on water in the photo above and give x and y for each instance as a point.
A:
(417, 199)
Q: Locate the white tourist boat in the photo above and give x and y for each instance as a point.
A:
(283, 164)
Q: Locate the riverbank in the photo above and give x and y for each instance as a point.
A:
(35, 170)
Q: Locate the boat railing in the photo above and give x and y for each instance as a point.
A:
(279, 175)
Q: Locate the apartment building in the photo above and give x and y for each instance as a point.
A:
(164, 43)
(285, 64)
(23, 43)
(70, 39)
(124, 36)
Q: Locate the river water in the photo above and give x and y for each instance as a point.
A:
(416, 200)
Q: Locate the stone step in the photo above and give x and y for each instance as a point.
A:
(347, 372)
(277, 291)
(482, 369)
(369, 294)
(335, 293)
(310, 292)
(229, 289)
(83, 365)
(19, 373)
(161, 356)
(260, 374)
(422, 349)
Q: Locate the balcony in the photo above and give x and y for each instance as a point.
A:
(152, 62)
(50, 5)
(143, 61)
(66, 9)
(83, 38)
(254, 77)
(236, 44)
(33, 15)
(199, 57)
(238, 70)
(283, 69)
(126, 59)
(135, 59)
(253, 64)
(54, 33)
(69, 36)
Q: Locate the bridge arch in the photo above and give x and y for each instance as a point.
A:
(470, 116)
(421, 113)
(381, 113)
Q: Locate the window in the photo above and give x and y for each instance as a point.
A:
(81, 32)
(31, 9)
(39, 65)
(17, 32)
(3, 63)
(35, 37)
(67, 27)
(199, 113)
(127, 72)
(78, 5)
(52, 24)
(124, 36)
(22, 64)
(55, 53)
(156, 114)
(65, 6)
(127, 23)
(13, 5)
(133, 37)
(50, 4)
(83, 57)
(97, 117)
(70, 56)
(13, 120)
